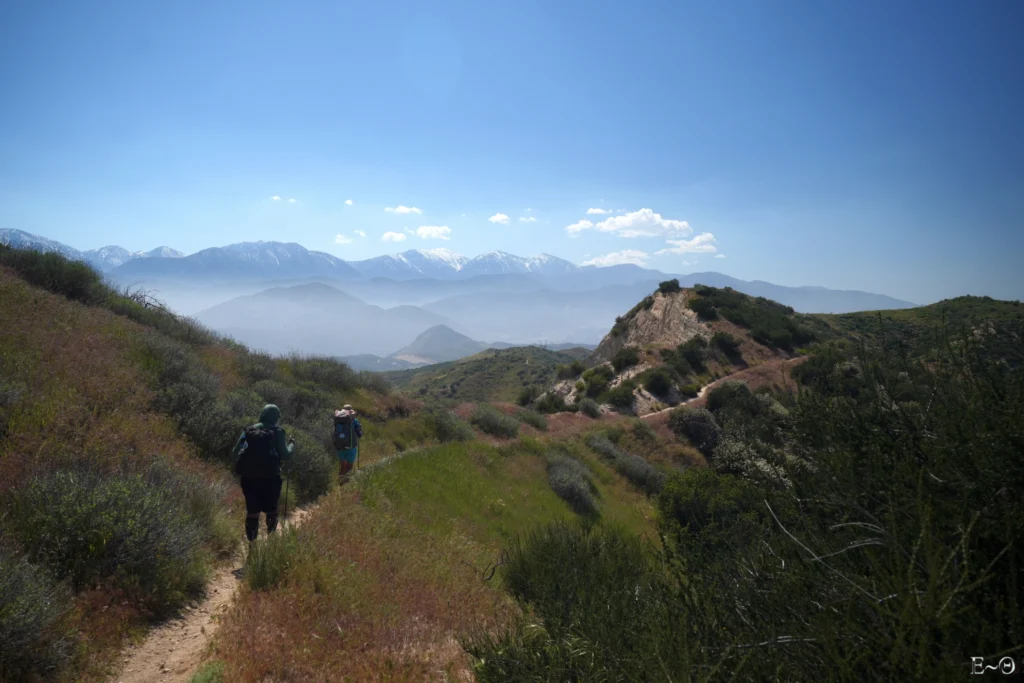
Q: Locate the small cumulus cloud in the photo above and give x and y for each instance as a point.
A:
(348, 202)
(342, 239)
(527, 219)
(499, 218)
(393, 237)
(703, 243)
(618, 258)
(403, 209)
(599, 212)
(276, 198)
(361, 233)
(643, 223)
(579, 226)
(719, 255)
(434, 232)
(292, 200)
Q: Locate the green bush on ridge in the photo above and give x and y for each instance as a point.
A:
(494, 422)
(571, 480)
(87, 527)
(36, 637)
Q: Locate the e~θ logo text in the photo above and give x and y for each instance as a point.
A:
(1005, 666)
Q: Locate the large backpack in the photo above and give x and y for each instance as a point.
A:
(259, 458)
(344, 432)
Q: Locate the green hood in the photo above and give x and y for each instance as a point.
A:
(270, 415)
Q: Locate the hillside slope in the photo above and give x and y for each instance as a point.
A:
(492, 375)
(438, 344)
(676, 341)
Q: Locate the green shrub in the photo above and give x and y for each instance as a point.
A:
(278, 393)
(694, 352)
(698, 425)
(731, 393)
(704, 309)
(689, 390)
(659, 382)
(622, 395)
(494, 422)
(528, 395)
(55, 273)
(598, 379)
(729, 344)
(644, 432)
(625, 358)
(447, 426)
(325, 372)
(255, 366)
(535, 420)
(641, 473)
(708, 516)
(590, 408)
(551, 403)
(37, 640)
(271, 558)
(603, 612)
(669, 286)
(88, 527)
(210, 672)
(312, 467)
(574, 369)
(571, 480)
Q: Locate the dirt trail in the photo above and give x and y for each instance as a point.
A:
(173, 650)
(765, 373)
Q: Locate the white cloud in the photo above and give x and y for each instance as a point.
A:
(403, 209)
(578, 227)
(341, 239)
(703, 243)
(434, 232)
(719, 255)
(499, 218)
(599, 212)
(528, 210)
(527, 219)
(393, 237)
(644, 223)
(361, 233)
(292, 200)
(348, 202)
(276, 198)
(634, 256)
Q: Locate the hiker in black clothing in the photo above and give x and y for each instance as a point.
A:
(258, 454)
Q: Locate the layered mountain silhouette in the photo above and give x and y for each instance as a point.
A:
(319, 319)
(319, 303)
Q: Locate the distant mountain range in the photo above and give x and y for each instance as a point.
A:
(319, 319)
(496, 296)
(103, 259)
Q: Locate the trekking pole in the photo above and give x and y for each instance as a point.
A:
(286, 480)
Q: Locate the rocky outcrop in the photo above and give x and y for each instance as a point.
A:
(667, 322)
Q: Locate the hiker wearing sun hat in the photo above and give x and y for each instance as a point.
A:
(347, 432)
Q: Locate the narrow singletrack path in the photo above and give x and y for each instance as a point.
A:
(172, 651)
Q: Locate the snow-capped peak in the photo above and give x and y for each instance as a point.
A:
(454, 260)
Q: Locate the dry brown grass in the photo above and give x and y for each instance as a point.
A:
(373, 606)
(85, 396)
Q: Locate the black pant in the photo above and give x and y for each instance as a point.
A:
(261, 495)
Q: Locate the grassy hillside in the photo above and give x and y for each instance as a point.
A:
(493, 375)
(995, 325)
(116, 419)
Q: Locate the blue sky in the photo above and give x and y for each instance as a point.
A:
(868, 145)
